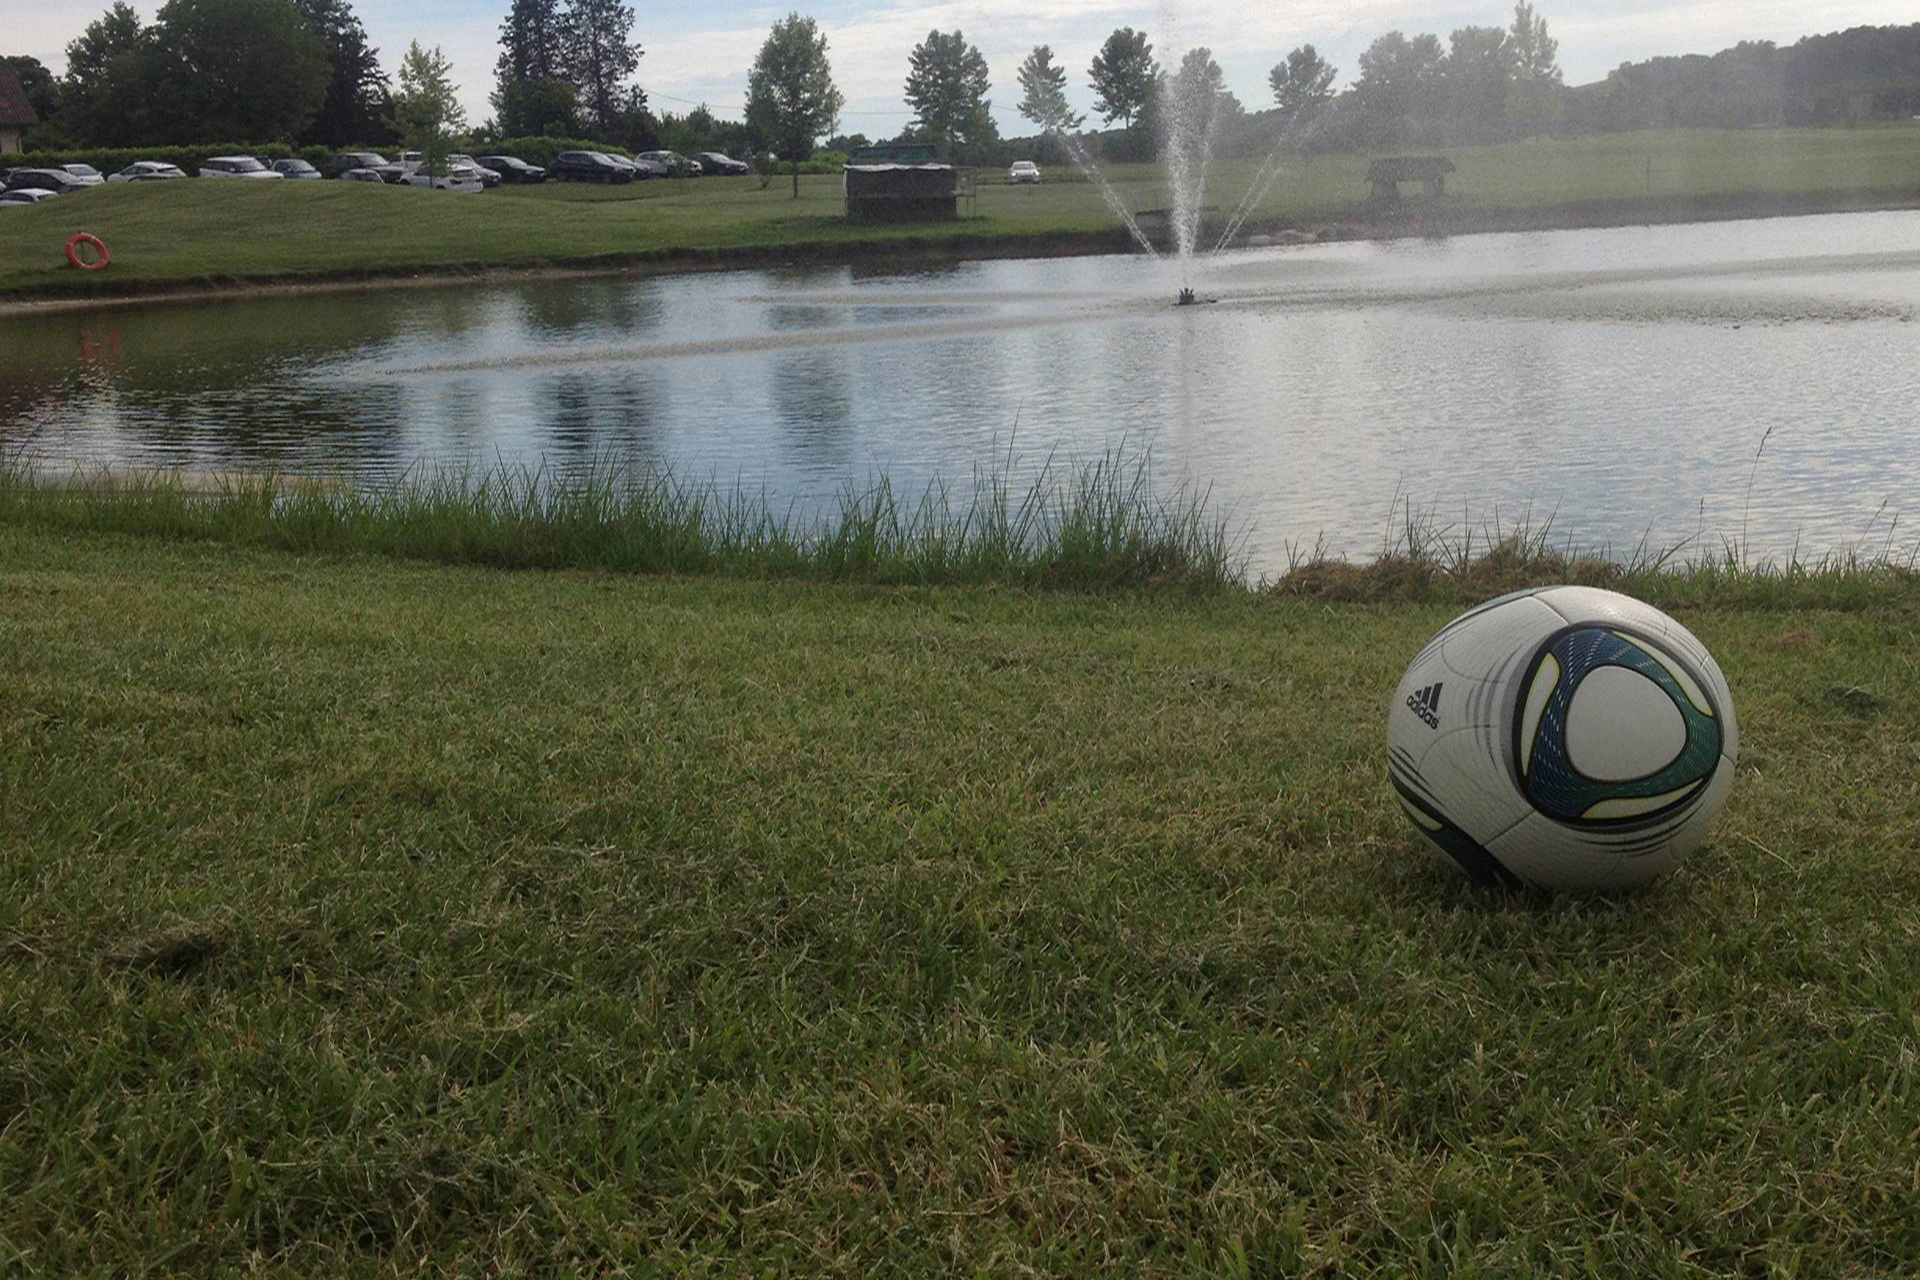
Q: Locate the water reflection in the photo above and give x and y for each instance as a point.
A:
(1619, 379)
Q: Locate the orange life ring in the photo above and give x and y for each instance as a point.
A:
(99, 246)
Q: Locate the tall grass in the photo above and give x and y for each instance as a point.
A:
(1425, 559)
(1097, 525)
(1100, 524)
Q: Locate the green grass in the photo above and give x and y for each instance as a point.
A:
(1101, 525)
(210, 232)
(362, 917)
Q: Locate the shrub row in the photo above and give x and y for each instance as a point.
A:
(542, 150)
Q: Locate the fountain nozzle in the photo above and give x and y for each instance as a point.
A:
(1186, 298)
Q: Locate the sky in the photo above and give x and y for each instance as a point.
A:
(700, 53)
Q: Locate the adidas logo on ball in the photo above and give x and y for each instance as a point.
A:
(1426, 704)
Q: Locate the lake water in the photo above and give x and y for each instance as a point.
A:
(1618, 380)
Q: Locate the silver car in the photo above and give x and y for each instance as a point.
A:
(147, 171)
(236, 167)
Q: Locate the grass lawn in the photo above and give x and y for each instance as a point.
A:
(216, 232)
(369, 917)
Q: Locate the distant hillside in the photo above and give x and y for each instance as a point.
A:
(1867, 73)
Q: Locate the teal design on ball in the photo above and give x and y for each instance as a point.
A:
(1548, 775)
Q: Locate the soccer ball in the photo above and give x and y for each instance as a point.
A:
(1566, 738)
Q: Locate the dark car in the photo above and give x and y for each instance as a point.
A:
(712, 163)
(294, 169)
(590, 166)
(346, 160)
(513, 169)
(58, 181)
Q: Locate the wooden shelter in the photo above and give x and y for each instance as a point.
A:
(1429, 171)
(891, 192)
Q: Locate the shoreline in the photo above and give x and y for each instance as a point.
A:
(1410, 222)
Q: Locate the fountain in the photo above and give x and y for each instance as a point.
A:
(1189, 115)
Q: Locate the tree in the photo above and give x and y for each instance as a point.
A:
(358, 98)
(600, 57)
(106, 91)
(1476, 81)
(1043, 93)
(947, 89)
(1399, 83)
(1123, 76)
(117, 31)
(241, 69)
(1536, 96)
(791, 100)
(549, 106)
(426, 109)
(1302, 86)
(532, 42)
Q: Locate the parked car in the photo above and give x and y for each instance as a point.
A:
(361, 175)
(713, 163)
(294, 169)
(1023, 171)
(644, 168)
(458, 177)
(344, 161)
(675, 164)
(85, 174)
(590, 166)
(488, 178)
(235, 167)
(25, 195)
(400, 169)
(58, 181)
(147, 171)
(514, 169)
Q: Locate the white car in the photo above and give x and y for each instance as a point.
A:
(236, 167)
(147, 171)
(1023, 171)
(24, 195)
(458, 177)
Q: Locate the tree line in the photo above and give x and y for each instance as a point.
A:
(303, 71)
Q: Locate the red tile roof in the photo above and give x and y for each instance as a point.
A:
(15, 111)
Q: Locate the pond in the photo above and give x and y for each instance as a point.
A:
(1618, 382)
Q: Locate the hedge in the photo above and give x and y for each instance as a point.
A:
(542, 150)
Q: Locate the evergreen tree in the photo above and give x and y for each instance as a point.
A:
(599, 56)
(1043, 93)
(358, 97)
(947, 89)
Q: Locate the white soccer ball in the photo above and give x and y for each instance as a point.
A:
(1566, 738)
